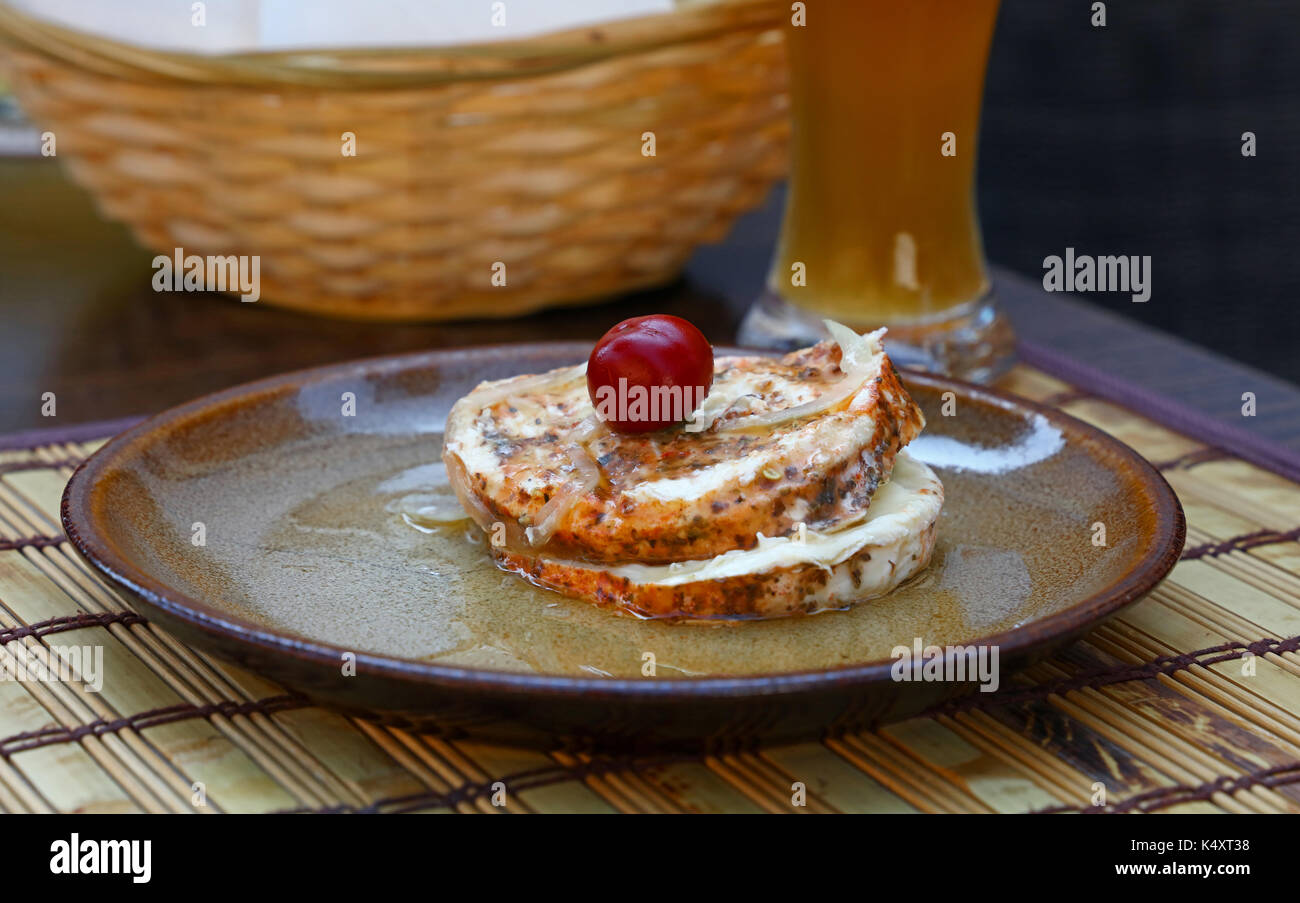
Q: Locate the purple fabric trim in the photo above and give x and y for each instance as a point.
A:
(81, 432)
(1235, 441)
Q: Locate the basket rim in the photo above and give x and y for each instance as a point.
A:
(360, 68)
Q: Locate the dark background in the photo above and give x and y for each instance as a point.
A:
(1127, 140)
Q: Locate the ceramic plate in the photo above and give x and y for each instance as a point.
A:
(266, 524)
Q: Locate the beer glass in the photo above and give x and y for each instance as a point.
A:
(880, 224)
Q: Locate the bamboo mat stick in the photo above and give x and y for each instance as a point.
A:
(559, 790)
(837, 782)
(614, 790)
(857, 753)
(167, 788)
(20, 794)
(1153, 740)
(1257, 572)
(690, 786)
(416, 760)
(74, 707)
(1199, 486)
(920, 780)
(996, 739)
(1145, 752)
(466, 769)
(772, 770)
(743, 779)
(637, 787)
(1230, 713)
(143, 642)
(157, 650)
(1246, 701)
(92, 708)
(1222, 621)
(9, 801)
(110, 756)
(651, 792)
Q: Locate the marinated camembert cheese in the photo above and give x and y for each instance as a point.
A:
(786, 492)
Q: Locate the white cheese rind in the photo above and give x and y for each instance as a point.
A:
(901, 511)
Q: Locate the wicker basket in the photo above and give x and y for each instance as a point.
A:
(526, 153)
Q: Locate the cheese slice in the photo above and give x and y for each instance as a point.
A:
(780, 576)
(902, 507)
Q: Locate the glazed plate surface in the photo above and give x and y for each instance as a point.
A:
(271, 524)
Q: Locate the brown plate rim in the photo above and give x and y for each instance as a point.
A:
(86, 537)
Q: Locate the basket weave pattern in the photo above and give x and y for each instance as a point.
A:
(544, 174)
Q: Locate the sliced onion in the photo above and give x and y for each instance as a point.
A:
(585, 431)
(859, 356)
(526, 385)
(586, 472)
(458, 477)
(586, 478)
(711, 410)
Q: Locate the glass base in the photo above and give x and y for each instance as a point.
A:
(973, 342)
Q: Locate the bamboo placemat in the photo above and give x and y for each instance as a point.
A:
(1159, 707)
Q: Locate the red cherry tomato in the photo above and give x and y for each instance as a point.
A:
(648, 373)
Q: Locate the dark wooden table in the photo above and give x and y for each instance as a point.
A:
(78, 318)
